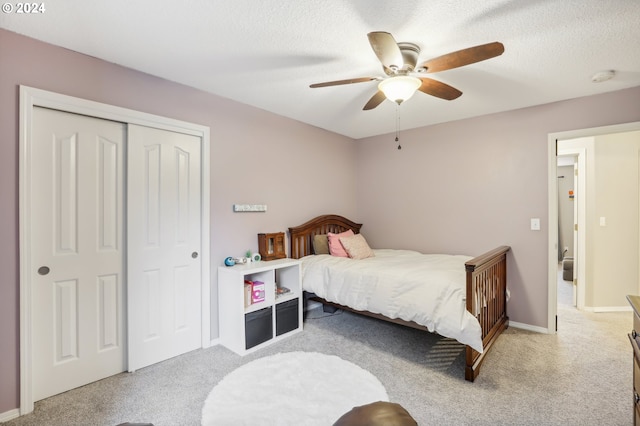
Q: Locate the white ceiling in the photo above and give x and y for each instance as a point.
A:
(266, 53)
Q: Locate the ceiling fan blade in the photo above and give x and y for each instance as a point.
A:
(375, 100)
(438, 89)
(386, 49)
(464, 57)
(339, 82)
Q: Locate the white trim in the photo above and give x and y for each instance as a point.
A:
(552, 250)
(26, 107)
(552, 284)
(30, 97)
(603, 309)
(528, 327)
(9, 415)
(205, 232)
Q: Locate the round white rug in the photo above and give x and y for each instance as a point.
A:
(293, 388)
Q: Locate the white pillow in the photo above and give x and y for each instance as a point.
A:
(356, 246)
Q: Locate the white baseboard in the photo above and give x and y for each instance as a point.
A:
(9, 415)
(601, 309)
(611, 309)
(528, 327)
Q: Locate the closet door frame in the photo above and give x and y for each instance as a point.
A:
(30, 97)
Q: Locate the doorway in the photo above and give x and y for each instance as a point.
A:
(568, 196)
(553, 152)
(576, 151)
(31, 99)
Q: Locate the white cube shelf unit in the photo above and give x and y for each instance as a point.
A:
(247, 328)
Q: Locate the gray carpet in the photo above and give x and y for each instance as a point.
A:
(581, 376)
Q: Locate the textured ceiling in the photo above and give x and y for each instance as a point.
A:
(266, 53)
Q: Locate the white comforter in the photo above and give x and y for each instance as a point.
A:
(427, 289)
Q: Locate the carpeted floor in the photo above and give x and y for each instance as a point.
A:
(580, 376)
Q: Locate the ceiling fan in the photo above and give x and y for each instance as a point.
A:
(403, 77)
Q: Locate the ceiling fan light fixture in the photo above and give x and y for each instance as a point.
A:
(400, 88)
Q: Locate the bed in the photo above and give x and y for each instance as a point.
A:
(479, 283)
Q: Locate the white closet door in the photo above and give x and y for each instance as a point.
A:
(77, 253)
(164, 244)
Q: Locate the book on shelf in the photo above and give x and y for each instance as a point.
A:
(247, 294)
(281, 290)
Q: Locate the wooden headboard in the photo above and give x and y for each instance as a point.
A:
(301, 237)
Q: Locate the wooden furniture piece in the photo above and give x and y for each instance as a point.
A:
(271, 246)
(380, 413)
(246, 327)
(486, 281)
(634, 337)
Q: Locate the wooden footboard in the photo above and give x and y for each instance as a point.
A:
(486, 285)
(487, 301)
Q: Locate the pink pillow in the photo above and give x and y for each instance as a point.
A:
(335, 246)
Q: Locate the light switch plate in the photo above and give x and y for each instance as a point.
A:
(535, 224)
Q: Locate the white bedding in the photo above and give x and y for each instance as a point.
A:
(427, 289)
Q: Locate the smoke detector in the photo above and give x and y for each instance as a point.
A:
(601, 76)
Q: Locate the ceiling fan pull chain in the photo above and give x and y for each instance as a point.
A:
(398, 126)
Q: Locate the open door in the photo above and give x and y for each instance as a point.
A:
(576, 259)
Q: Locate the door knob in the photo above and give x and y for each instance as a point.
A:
(194, 254)
(43, 270)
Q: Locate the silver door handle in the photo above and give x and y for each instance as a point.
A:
(43, 270)
(194, 254)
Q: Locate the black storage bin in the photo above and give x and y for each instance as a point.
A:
(258, 327)
(286, 316)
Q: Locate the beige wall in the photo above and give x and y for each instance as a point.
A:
(615, 245)
(470, 185)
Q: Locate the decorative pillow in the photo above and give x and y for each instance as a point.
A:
(320, 244)
(356, 247)
(335, 246)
